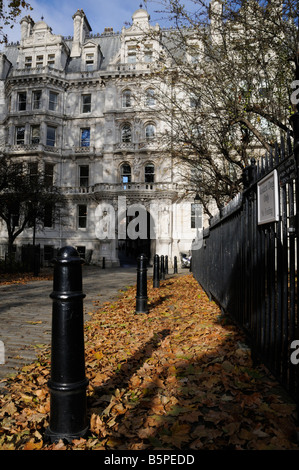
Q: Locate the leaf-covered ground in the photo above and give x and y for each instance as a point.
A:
(178, 377)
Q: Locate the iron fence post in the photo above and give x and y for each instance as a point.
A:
(175, 265)
(162, 273)
(156, 276)
(67, 384)
(141, 295)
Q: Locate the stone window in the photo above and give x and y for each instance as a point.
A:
(150, 97)
(35, 134)
(132, 54)
(51, 136)
(28, 62)
(85, 137)
(89, 61)
(53, 101)
(39, 61)
(149, 173)
(127, 99)
(148, 53)
(36, 99)
(49, 174)
(196, 216)
(150, 131)
(82, 216)
(86, 103)
(84, 176)
(126, 133)
(48, 215)
(22, 100)
(125, 173)
(20, 135)
(51, 60)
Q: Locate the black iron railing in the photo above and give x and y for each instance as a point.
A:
(249, 257)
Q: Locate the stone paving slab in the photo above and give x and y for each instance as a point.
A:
(26, 311)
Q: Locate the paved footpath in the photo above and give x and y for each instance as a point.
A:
(26, 312)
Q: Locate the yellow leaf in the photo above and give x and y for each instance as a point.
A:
(33, 445)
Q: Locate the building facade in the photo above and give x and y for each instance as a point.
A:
(83, 109)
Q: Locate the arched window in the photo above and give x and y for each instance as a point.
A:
(150, 97)
(126, 99)
(125, 173)
(150, 131)
(126, 133)
(149, 173)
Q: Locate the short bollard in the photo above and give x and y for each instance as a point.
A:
(67, 384)
(162, 276)
(166, 264)
(103, 263)
(141, 295)
(175, 265)
(156, 274)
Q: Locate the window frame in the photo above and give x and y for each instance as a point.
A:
(194, 216)
(83, 179)
(124, 175)
(150, 135)
(126, 99)
(85, 141)
(126, 135)
(86, 104)
(18, 140)
(82, 218)
(36, 99)
(53, 104)
(34, 140)
(49, 139)
(22, 103)
(149, 177)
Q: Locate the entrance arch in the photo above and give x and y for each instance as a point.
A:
(136, 236)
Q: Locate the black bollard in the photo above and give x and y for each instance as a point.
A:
(103, 263)
(141, 296)
(175, 265)
(166, 264)
(156, 274)
(162, 272)
(67, 384)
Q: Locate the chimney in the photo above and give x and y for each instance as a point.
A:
(81, 29)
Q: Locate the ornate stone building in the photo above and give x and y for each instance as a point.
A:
(70, 106)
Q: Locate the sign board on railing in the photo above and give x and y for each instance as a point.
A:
(268, 199)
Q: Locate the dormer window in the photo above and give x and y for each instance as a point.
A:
(89, 61)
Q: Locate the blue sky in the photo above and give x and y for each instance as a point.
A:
(100, 14)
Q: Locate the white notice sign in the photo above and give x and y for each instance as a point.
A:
(268, 199)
